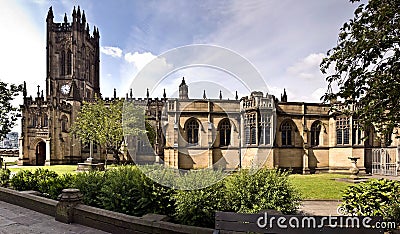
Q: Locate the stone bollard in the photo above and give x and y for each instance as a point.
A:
(69, 198)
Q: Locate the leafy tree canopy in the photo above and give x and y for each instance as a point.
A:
(366, 64)
(8, 113)
(107, 123)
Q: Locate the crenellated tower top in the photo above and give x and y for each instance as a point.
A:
(78, 23)
(73, 58)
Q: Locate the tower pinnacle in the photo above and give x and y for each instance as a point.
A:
(79, 12)
(284, 96)
(83, 16)
(183, 90)
(50, 15)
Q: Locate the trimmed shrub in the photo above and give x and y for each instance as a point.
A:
(373, 198)
(198, 179)
(197, 207)
(241, 192)
(4, 177)
(41, 180)
(127, 190)
(52, 187)
(90, 184)
(248, 192)
(163, 175)
(24, 180)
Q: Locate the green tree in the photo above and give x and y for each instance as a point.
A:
(366, 64)
(8, 113)
(103, 123)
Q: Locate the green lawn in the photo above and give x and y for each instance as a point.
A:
(59, 169)
(320, 186)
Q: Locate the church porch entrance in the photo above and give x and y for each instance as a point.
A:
(40, 153)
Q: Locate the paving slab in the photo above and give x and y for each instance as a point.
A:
(320, 207)
(385, 177)
(5, 222)
(16, 219)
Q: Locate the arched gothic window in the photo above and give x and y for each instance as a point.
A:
(265, 129)
(225, 133)
(315, 132)
(193, 132)
(250, 129)
(342, 131)
(286, 129)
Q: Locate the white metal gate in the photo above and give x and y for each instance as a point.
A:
(383, 163)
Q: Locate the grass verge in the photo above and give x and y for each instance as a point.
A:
(59, 169)
(320, 186)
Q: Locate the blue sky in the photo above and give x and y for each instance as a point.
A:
(284, 39)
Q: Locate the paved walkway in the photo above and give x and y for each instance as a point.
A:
(16, 219)
(323, 207)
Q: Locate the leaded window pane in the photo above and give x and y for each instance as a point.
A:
(193, 132)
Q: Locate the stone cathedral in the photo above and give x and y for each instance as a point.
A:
(189, 133)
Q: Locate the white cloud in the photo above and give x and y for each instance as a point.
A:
(112, 51)
(139, 59)
(140, 79)
(308, 67)
(313, 97)
(317, 94)
(276, 91)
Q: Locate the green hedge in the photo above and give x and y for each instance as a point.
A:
(250, 192)
(128, 190)
(90, 184)
(49, 183)
(243, 192)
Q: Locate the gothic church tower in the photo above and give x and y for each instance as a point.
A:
(72, 76)
(73, 58)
